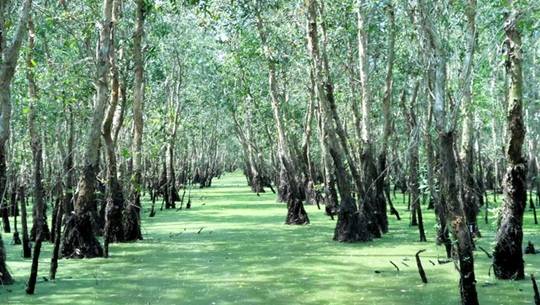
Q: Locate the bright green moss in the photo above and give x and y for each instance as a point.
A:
(246, 255)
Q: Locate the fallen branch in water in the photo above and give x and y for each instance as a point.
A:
(420, 268)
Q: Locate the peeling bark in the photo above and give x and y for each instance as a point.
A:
(508, 256)
(445, 121)
(79, 240)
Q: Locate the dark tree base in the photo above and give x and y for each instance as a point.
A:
(16, 239)
(5, 277)
(467, 281)
(508, 262)
(310, 193)
(351, 227)
(471, 208)
(99, 213)
(257, 188)
(5, 218)
(256, 184)
(284, 191)
(530, 248)
(172, 198)
(46, 232)
(79, 240)
(296, 214)
(330, 201)
(508, 254)
(369, 207)
(114, 229)
(27, 250)
(373, 201)
(132, 221)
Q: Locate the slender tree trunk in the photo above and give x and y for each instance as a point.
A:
(79, 240)
(353, 84)
(15, 212)
(56, 199)
(4, 209)
(9, 55)
(328, 100)
(309, 184)
(329, 179)
(37, 158)
(256, 182)
(382, 182)
(439, 202)
(470, 188)
(323, 68)
(170, 174)
(413, 149)
(132, 222)
(481, 183)
(496, 185)
(27, 251)
(370, 197)
(445, 125)
(248, 167)
(351, 224)
(69, 175)
(296, 214)
(508, 255)
(58, 233)
(114, 228)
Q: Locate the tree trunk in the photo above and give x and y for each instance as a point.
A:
(37, 158)
(439, 203)
(329, 179)
(5, 276)
(9, 55)
(69, 177)
(4, 209)
(250, 170)
(114, 228)
(79, 239)
(132, 221)
(256, 182)
(351, 225)
(309, 184)
(27, 251)
(413, 149)
(15, 212)
(508, 256)
(296, 214)
(335, 129)
(170, 174)
(371, 204)
(445, 126)
(470, 192)
(382, 182)
(57, 232)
